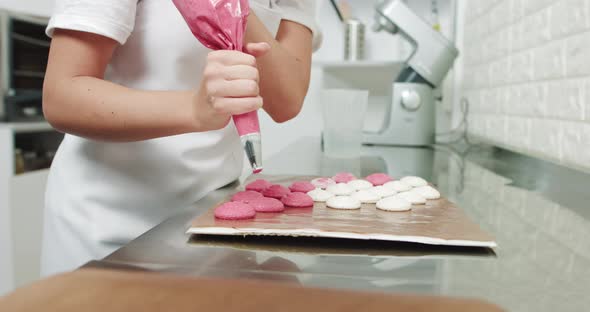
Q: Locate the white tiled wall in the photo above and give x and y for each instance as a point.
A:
(527, 76)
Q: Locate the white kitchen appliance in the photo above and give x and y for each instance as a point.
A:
(410, 119)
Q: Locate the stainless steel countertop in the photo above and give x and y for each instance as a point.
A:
(537, 211)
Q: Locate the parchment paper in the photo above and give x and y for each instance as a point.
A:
(439, 222)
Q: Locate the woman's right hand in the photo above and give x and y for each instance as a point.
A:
(229, 87)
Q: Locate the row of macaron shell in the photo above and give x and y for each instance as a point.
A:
(245, 205)
(393, 197)
(340, 184)
(263, 196)
(345, 191)
(264, 186)
(350, 192)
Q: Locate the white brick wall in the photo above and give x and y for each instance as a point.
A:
(527, 76)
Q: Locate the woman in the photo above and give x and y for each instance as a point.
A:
(146, 110)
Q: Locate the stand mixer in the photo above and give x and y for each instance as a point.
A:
(410, 119)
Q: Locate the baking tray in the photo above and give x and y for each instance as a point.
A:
(439, 222)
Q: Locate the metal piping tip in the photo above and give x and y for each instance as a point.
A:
(253, 147)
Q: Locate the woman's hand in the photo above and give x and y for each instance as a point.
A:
(78, 100)
(230, 86)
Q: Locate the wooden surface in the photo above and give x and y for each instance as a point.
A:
(114, 291)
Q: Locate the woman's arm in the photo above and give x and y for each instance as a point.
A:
(285, 70)
(77, 99)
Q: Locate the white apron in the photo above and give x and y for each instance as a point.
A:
(102, 195)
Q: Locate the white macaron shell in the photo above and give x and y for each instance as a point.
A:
(343, 202)
(412, 197)
(360, 184)
(394, 203)
(398, 186)
(427, 192)
(383, 191)
(319, 195)
(366, 196)
(414, 181)
(340, 189)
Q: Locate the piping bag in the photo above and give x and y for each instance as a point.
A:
(220, 25)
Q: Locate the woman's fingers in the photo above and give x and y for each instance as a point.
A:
(229, 58)
(237, 72)
(233, 88)
(230, 83)
(257, 49)
(236, 106)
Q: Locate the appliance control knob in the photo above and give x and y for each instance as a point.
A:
(410, 100)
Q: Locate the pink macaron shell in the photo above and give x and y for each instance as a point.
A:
(245, 196)
(297, 200)
(276, 191)
(301, 186)
(234, 211)
(258, 185)
(343, 177)
(378, 178)
(267, 204)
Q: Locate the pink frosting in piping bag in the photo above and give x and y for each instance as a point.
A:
(220, 25)
(247, 123)
(217, 24)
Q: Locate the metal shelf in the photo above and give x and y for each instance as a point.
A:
(27, 127)
(30, 173)
(29, 74)
(30, 40)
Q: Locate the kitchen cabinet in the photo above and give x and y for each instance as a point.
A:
(27, 205)
(22, 191)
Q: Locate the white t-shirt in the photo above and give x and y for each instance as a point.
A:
(101, 195)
